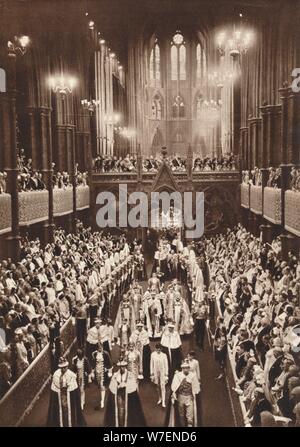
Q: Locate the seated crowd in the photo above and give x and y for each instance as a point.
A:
(254, 177)
(274, 180)
(48, 286)
(259, 298)
(62, 180)
(295, 179)
(32, 180)
(109, 163)
(224, 163)
(28, 179)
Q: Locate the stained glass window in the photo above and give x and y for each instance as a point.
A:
(154, 63)
(156, 108)
(178, 107)
(201, 62)
(178, 58)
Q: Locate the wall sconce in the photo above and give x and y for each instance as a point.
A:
(19, 45)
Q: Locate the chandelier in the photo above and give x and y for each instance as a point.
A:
(128, 133)
(220, 78)
(112, 119)
(90, 105)
(236, 43)
(62, 84)
(212, 104)
(19, 45)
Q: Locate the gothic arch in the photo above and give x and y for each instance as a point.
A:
(178, 107)
(157, 109)
(157, 141)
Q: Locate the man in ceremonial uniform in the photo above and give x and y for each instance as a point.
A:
(93, 338)
(160, 373)
(82, 369)
(171, 344)
(124, 407)
(102, 365)
(140, 338)
(200, 315)
(154, 283)
(184, 411)
(81, 323)
(65, 406)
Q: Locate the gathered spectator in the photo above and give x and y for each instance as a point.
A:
(224, 163)
(45, 289)
(28, 179)
(295, 179)
(258, 297)
(109, 163)
(274, 180)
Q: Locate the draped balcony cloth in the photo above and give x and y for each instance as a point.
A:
(82, 197)
(245, 199)
(5, 213)
(256, 199)
(292, 212)
(62, 201)
(33, 207)
(272, 205)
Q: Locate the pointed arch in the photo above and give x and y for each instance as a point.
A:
(157, 107)
(182, 63)
(174, 63)
(198, 105)
(151, 65)
(157, 61)
(178, 107)
(200, 63)
(154, 63)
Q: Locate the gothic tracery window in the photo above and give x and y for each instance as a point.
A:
(198, 106)
(154, 63)
(201, 62)
(178, 58)
(156, 112)
(178, 107)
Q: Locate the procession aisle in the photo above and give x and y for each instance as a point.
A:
(216, 408)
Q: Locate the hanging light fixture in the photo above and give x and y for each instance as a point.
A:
(18, 45)
(236, 42)
(219, 78)
(62, 84)
(90, 105)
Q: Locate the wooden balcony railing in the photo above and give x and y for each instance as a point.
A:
(62, 201)
(292, 212)
(256, 199)
(34, 205)
(82, 197)
(272, 205)
(245, 195)
(267, 201)
(5, 213)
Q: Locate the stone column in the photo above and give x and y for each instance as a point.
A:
(293, 135)
(244, 155)
(9, 118)
(254, 141)
(44, 114)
